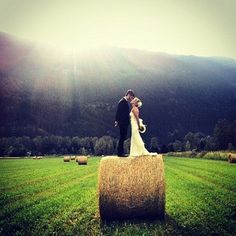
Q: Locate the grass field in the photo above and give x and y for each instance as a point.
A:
(49, 197)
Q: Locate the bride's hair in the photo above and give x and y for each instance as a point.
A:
(137, 100)
(140, 103)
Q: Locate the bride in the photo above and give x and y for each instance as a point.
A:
(137, 147)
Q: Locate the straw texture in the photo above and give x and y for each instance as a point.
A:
(66, 158)
(82, 160)
(131, 187)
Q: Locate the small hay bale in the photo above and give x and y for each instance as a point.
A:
(131, 187)
(82, 160)
(72, 158)
(66, 158)
(232, 158)
(34, 158)
(39, 157)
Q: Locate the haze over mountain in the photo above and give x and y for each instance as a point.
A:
(44, 91)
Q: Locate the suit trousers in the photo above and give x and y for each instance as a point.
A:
(123, 135)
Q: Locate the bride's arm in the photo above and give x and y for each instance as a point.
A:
(136, 114)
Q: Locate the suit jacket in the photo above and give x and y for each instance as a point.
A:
(122, 113)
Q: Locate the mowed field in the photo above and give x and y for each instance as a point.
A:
(50, 197)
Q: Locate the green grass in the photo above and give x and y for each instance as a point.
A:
(49, 197)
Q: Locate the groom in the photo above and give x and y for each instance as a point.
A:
(123, 120)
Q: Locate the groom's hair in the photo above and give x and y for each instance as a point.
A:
(130, 92)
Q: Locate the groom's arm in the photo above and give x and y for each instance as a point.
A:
(118, 113)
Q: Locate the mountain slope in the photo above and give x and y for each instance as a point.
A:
(45, 91)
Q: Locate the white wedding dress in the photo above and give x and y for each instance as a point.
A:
(137, 147)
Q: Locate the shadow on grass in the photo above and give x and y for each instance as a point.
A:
(168, 226)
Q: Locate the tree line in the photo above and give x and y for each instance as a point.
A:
(223, 138)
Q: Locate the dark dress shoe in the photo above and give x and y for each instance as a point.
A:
(123, 155)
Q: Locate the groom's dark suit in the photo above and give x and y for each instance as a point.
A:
(123, 119)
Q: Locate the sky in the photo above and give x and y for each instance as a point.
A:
(190, 27)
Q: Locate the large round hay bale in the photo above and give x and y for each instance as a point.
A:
(66, 158)
(72, 158)
(232, 158)
(82, 160)
(131, 187)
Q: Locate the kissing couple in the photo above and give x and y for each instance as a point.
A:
(123, 118)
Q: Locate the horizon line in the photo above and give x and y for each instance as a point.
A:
(50, 45)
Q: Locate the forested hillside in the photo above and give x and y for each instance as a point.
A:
(44, 91)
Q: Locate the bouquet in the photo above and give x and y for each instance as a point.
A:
(142, 128)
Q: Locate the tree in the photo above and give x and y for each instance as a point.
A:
(170, 147)
(83, 151)
(4, 144)
(187, 146)
(177, 146)
(115, 145)
(164, 149)
(175, 135)
(190, 139)
(38, 144)
(127, 146)
(209, 143)
(85, 142)
(223, 134)
(234, 134)
(104, 146)
(93, 141)
(202, 144)
(154, 145)
(66, 144)
(16, 150)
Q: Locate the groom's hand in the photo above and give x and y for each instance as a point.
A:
(116, 123)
